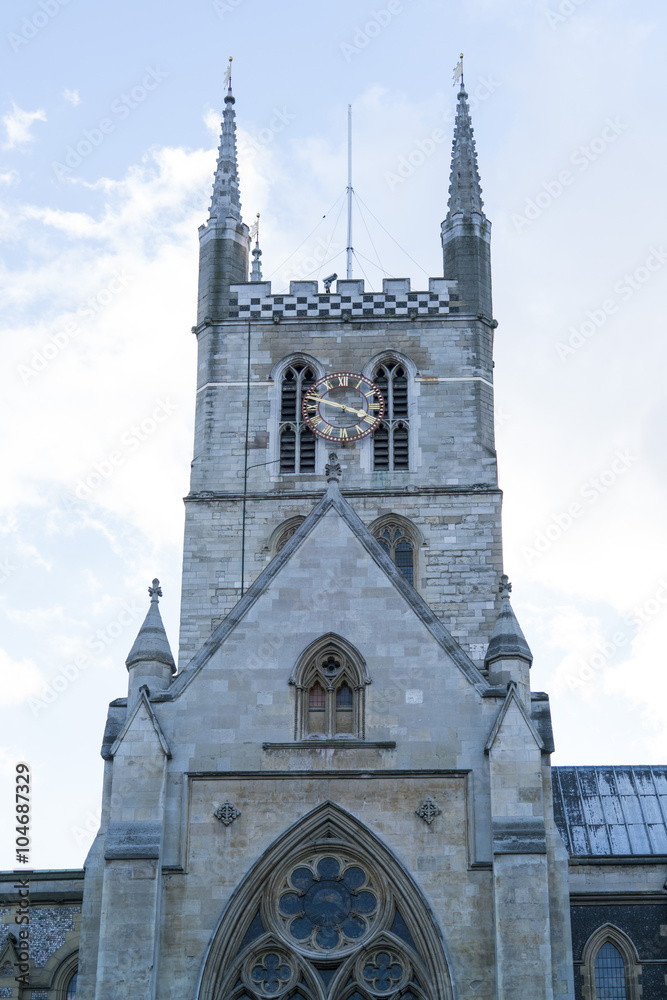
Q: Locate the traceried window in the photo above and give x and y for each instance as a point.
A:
(327, 914)
(297, 441)
(330, 685)
(390, 441)
(609, 974)
(400, 541)
(400, 549)
(284, 532)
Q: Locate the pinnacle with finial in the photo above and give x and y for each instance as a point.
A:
(256, 271)
(155, 591)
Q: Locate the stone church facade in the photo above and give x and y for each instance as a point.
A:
(345, 792)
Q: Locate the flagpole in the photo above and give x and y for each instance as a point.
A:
(349, 191)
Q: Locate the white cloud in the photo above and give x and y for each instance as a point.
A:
(19, 680)
(9, 177)
(18, 124)
(72, 96)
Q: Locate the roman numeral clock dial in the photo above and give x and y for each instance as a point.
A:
(343, 407)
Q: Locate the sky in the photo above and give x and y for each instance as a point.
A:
(109, 123)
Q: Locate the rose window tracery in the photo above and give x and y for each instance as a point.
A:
(328, 906)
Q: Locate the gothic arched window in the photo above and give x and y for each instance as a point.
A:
(297, 441)
(399, 540)
(71, 988)
(330, 681)
(284, 532)
(609, 974)
(610, 966)
(391, 451)
(327, 913)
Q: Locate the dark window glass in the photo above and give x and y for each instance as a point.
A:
(316, 697)
(609, 974)
(71, 988)
(400, 549)
(404, 559)
(343, 697)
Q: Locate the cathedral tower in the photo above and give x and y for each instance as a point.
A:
(345, 791)
(424, 482)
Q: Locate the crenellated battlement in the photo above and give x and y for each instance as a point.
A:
(254, 300)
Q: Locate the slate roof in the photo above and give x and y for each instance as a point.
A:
(611, 811)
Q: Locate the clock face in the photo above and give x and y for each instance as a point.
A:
(343, 407)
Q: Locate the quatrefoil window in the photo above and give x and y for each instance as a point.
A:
(271, 974)
(383, 971)
(329, 906)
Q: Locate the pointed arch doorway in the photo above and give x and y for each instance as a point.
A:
(327, 913)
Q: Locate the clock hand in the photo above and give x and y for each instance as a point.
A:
(341, 406)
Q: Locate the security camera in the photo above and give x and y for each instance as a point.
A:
(327, 282)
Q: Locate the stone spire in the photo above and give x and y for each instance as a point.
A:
(224, 241)
(508, 657)
(226, 200)
(466, 232)
(465, 192)
(150, 661)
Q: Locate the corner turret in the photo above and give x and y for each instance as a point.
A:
(508, 657)
(150, 661)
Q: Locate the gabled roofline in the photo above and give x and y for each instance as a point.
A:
(512, 696)
(332, 499)
(141, 700)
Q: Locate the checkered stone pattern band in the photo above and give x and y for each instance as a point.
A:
(366, 305)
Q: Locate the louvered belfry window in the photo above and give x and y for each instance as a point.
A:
(390, 440)
(297, 441)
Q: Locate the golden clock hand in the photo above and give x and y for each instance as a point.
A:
(342, 406)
